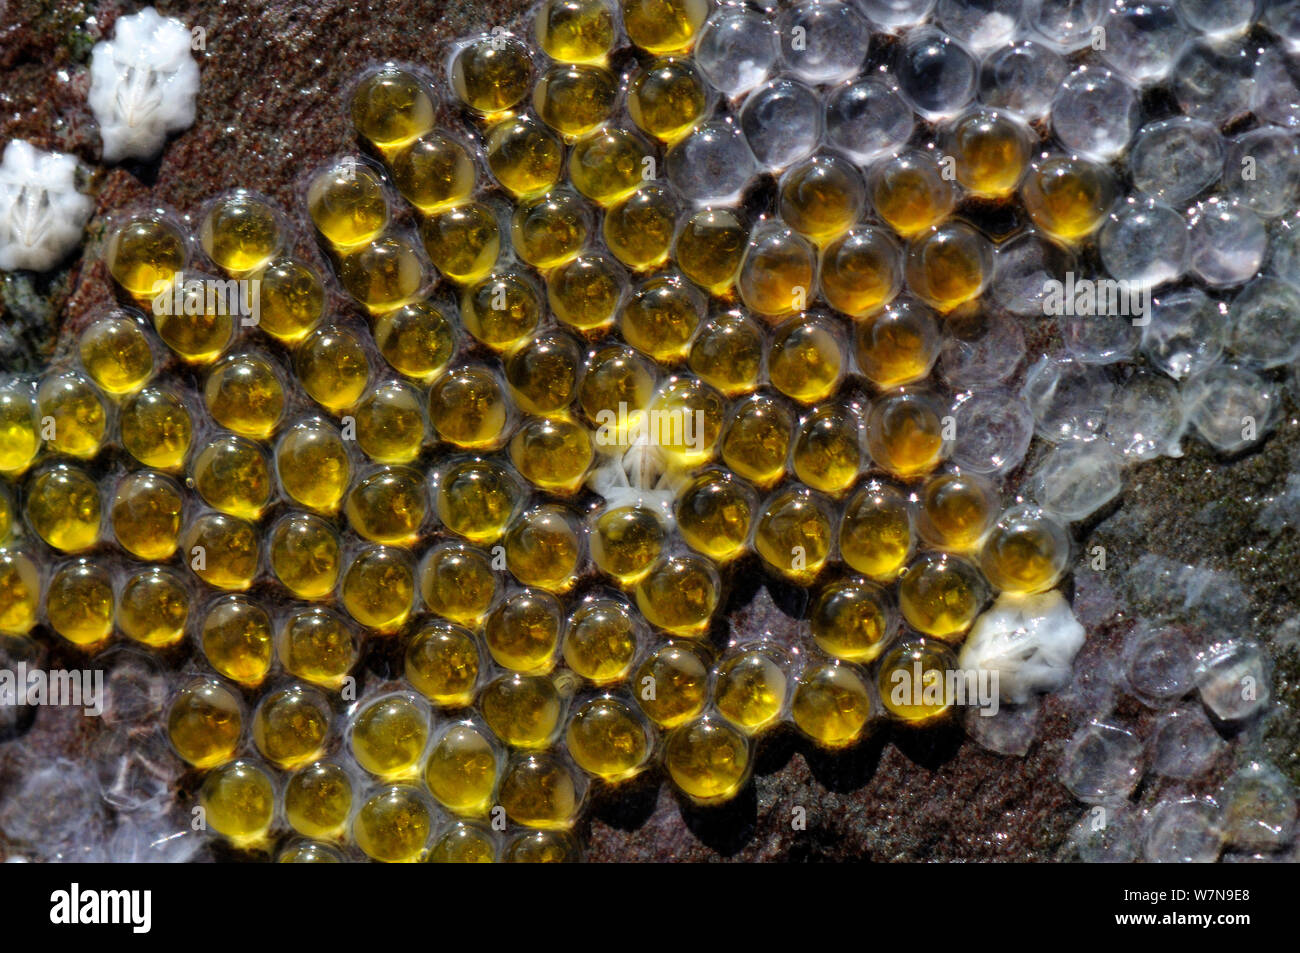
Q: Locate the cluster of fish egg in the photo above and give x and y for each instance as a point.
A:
(422, 475)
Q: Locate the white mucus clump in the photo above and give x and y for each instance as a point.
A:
(41, 212)
(635, 476)
(143, 84)
(1029, 641)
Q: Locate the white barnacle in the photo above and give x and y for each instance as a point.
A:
(41, 212)
(143, 84)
